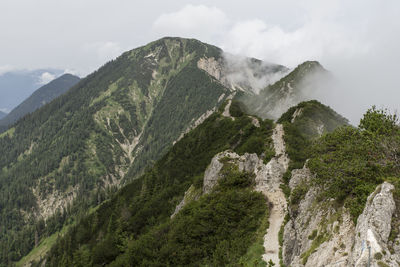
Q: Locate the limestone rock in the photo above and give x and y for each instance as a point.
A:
(374, 225)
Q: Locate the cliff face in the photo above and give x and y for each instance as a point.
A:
(318, 234)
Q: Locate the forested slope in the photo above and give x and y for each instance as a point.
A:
(58, 161)
(135, 229)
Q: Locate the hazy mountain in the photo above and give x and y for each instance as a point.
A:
(40, 97)
(17, 85)
(2, 114)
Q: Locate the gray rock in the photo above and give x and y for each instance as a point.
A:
(374, 225)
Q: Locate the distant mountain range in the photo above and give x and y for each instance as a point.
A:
(17, 85)
(40, 97)
(2, 114)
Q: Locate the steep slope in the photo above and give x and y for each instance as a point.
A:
(74, 152)
(61, 159)
(343, 204)
(40, 97)
(171, 218)
(298, 85)
(2, 114)
(135, 228)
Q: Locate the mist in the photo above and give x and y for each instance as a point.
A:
(251, 73)
(356, 41)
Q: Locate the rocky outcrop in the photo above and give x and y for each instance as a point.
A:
(300, 176)
(214, 68)
(373, 228)
(212, 173)
(246, 163)
(226, 112)
(297, 113)
(322, 234)
(190, 194)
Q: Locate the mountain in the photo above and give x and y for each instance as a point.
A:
(169, 154)
(229, 184)
(17, 85)
(197, 203)
(68, 156)
(291, 89)
(2, 114)
(40, 97)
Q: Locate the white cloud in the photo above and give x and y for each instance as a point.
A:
(359, 48)
(5, 110)
(314, 40)
(72, 71)
(5, 69)
(205, 23)
(46, 77)
(320, 36)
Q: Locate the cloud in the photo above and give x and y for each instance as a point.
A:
(5, 110)
(205, 23)
(318, 37)
(359, 48)
(72, 71)
(5, 69)
(311, 41)
(46, 77)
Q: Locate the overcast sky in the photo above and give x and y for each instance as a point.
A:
(358, 40)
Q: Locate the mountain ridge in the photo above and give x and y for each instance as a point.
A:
(40, 97)
(115, 127)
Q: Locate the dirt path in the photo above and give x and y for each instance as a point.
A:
(268, 182)
(276, 217)
(226, 112)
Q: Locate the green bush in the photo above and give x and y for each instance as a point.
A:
(351, 162)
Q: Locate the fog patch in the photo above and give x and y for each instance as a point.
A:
(250, 74)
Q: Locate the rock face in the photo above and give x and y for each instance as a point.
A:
(214, 68)
(320, 235)
(242, 74)
(373, 227)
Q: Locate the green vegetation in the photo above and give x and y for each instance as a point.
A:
(382, 264)
(253, 256)
(81, 142)
(135, 228)
(321, 238)
(313, 120)
(378, 256)
(351, 162)
(236, 109)
(313, 234)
